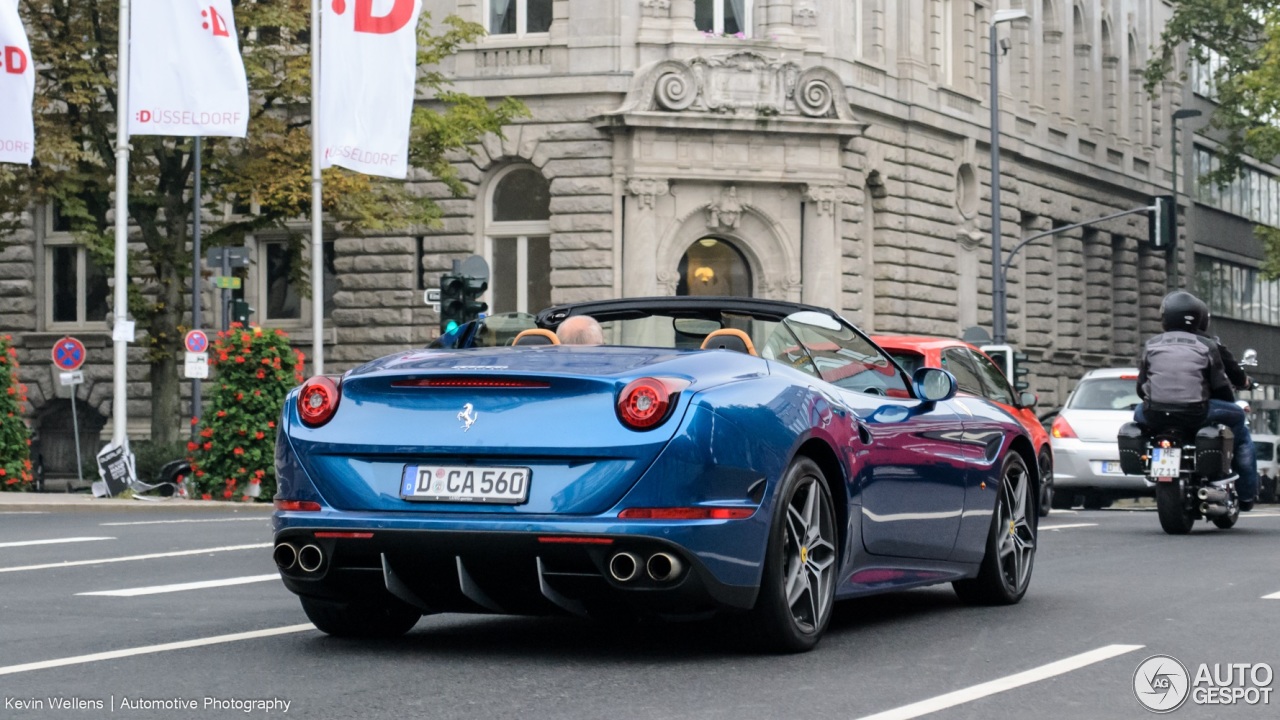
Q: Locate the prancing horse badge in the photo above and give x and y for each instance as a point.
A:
(468, 417)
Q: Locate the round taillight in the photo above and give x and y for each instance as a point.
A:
(644, 403)
(318, 400)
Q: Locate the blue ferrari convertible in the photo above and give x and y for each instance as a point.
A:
(729, 456)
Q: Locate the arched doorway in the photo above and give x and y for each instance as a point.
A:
(711, 266)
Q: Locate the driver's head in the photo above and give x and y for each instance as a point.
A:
(1180, 310)
(580, 330)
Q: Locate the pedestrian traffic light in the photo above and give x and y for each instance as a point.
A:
(452, 302)
(472, 306)
(1011, 362)
(1162, 221)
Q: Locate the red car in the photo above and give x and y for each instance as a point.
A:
(976, 374)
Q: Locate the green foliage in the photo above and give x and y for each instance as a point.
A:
(15, 438)
(74, 45)
(234, 457)
(151, 455)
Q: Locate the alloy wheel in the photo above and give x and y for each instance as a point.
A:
(810, 555)
(1017, 541)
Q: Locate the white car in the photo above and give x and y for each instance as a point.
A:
(1083, 436)
(1264, 447)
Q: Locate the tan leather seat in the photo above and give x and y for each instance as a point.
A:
(536, 336)
(729, 339)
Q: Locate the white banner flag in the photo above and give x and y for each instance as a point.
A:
(17, 88)
(186, 76)
(368, 71)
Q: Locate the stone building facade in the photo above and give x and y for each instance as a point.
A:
(827, 151)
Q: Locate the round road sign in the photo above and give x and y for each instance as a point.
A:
(68, 354)
(196, 341)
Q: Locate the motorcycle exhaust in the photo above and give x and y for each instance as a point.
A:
(1212, 495)
(1212, 510)
(285, 555)
(310, 558)
(624, 567)
(663, 566)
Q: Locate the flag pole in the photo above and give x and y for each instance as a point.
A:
(120, 401)
(317, 226)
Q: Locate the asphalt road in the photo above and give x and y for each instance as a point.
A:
(1108, 586)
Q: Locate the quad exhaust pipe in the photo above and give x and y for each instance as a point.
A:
(310, 558)
(285, 555)
(624, 567)
(663, 566)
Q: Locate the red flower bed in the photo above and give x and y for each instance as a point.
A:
(15, 437)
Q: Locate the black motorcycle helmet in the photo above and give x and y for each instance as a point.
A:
(1180, 310)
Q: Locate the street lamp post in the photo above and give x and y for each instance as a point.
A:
(1183, 114)
(998, 320)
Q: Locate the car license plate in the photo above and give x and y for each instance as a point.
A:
(1112, 467)
(1166, 462)
(465, 483)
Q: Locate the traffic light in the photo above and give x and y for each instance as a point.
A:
(1012, 362)
(472, 306)
(1162, 222)
(452, 302)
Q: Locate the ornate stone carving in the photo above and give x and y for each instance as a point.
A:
(825, 197)
(742, 83)
(647, 190)
(725, 212)
(805, 13)
(656, 8)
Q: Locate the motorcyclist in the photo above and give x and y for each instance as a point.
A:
(1183, 381)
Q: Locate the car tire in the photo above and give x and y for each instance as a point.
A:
(797, 589)
(1006, 567)
(361, 620)
(1045, 463)
(1064, 500)
(1174, 517)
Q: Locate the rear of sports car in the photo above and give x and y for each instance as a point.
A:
(523, 480)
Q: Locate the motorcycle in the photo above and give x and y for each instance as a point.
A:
(1191, 470)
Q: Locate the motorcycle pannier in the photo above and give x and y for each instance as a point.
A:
(1215, 445)
(1133, 445)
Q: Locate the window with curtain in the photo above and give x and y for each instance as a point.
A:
(519, 17)
(723, 17)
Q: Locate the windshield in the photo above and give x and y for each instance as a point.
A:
(1105, 394)
(910, 361)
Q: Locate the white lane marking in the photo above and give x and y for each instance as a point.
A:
(1064, 527)
(1272, 596)
(184, 522)
(24, 512)
(74, 563)
(969, 694)
(179, 587)
(149, 649)
(53, 541)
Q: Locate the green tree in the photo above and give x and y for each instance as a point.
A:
(15, 439)
(73, 45)
(1239, 41)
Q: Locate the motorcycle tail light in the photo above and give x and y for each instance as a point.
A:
(1062, 429)
(318, 400)
(646, 402)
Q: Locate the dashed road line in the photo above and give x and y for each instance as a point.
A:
(1026, 677)
(53, 541)
(1272, 596)
(151, 556)
(264, 520)
(1064, 527)
(150, 649)
(179, 587)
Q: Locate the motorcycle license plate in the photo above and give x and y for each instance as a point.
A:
(1166, 462)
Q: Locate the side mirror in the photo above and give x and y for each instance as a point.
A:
(934, 385)
(1028, 399)
(1250, 358)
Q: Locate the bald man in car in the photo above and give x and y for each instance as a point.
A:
(580, 330)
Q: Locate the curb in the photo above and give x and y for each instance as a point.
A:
(81, 502)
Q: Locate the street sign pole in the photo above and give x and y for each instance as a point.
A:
(75, 427)
(68, 356)
(196, 288)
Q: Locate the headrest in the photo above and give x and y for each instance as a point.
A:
(536, 336)
(729, 339)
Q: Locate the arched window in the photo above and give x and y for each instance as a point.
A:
(518, 240)
(1110, 79)
(712, 266)
(1051, 88)
(1137, 95)
(1083, 79)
